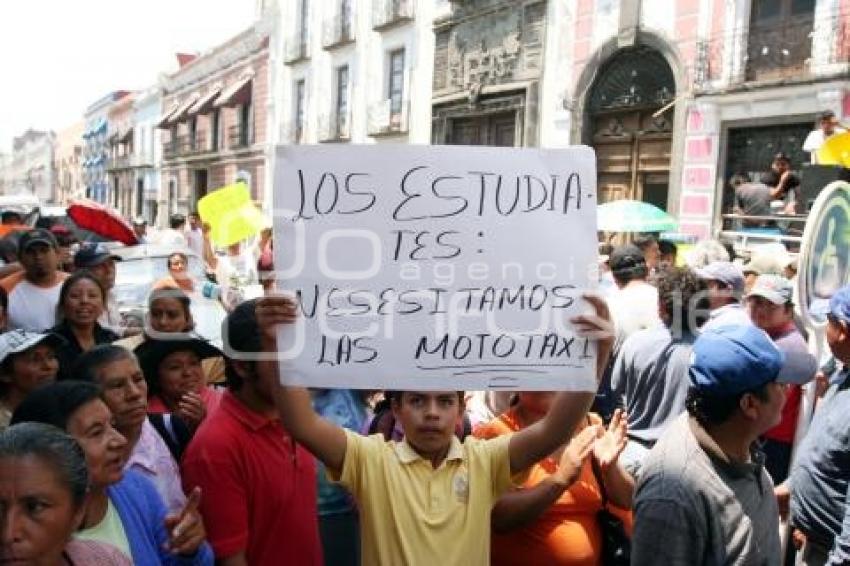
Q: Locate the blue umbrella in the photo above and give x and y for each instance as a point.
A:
(633, 216)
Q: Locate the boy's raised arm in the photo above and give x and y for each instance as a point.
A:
(324, 439)
(537, 441)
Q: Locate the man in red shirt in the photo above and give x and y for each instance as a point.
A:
(771, 308)
(259, 504)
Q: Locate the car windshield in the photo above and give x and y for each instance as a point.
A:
(135, 277)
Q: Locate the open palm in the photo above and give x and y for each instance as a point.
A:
(610, 445)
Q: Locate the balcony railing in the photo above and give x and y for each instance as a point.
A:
(142, 160)
(389, 13)
(794, 51)
(335, 127)
(239, 136)
(384, 120)
(297, 48)
(120, 162)
(338, 31)
(183, 146)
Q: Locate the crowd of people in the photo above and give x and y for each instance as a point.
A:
(152, 446)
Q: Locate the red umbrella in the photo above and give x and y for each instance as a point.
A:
(102, 220)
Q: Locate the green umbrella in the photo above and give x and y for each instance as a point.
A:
(633, 216)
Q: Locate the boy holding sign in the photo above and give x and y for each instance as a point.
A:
(426, 499)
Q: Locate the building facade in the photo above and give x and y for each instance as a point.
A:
(68, 160)
(120, 166)
(487, 73)
(97, 149)
(5, 173)
(675, 97)
(214, 121)
(32, 164)
(352, 71)
(147, 157)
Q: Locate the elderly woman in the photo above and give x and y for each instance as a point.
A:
(175, 377)
(43, 486)
(27, 360)
(552, 518)
(124, 509)
(81, 302)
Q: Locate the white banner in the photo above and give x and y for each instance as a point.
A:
(436, 267)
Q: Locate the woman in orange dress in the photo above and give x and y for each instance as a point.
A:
(551, 519)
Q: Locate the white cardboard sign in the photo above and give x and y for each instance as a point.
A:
(436, 267)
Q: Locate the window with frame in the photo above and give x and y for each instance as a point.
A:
(299, 98)
(245, 124)
(215, 129)
(341, 111)
(303, 25)
(396, 84)
(345, 19)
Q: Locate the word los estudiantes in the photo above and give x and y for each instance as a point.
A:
(428, 194)
(389, 301)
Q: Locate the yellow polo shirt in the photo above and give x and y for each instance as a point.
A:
(411, 513)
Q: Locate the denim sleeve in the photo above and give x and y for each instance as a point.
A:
(840, 554)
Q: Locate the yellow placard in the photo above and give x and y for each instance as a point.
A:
(231, 214)
(835, 150)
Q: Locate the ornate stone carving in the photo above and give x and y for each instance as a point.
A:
(486, 43)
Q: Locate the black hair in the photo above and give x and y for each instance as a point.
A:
(55, 448)
(181, 255)
(643, 241)
(54, 403)
(397, 395)
(232, 379)
(172, 293)
(87, 365)
(176, 221)
(76, 277)
(4, 299)
(681, 293)
(9, 249)
(717, 409)
(8, 216)
(666, 247)
(738, 179)
(827, 115)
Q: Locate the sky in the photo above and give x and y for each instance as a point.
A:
(59, 56)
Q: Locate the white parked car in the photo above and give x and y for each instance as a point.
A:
(142, 266)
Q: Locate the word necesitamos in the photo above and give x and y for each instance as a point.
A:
(337, 302)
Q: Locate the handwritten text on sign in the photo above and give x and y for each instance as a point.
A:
(436, 267)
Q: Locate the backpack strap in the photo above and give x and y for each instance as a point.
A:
(174, 432)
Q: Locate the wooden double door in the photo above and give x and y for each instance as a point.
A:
(633, 154)
(488, 129)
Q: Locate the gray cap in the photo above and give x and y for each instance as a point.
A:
(724, 271)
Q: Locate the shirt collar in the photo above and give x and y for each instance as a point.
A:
(721, 459)
(144, 453)
(407, 455)
(250, 419)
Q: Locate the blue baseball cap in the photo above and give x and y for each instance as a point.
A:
(730, 360)
(837, 306)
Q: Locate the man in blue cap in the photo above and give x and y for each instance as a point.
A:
(703, 496)
(820, 477)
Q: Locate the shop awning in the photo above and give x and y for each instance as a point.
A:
(238, 92)
(126, 135)
(163, 120)
(205, 103)
(180, 114)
